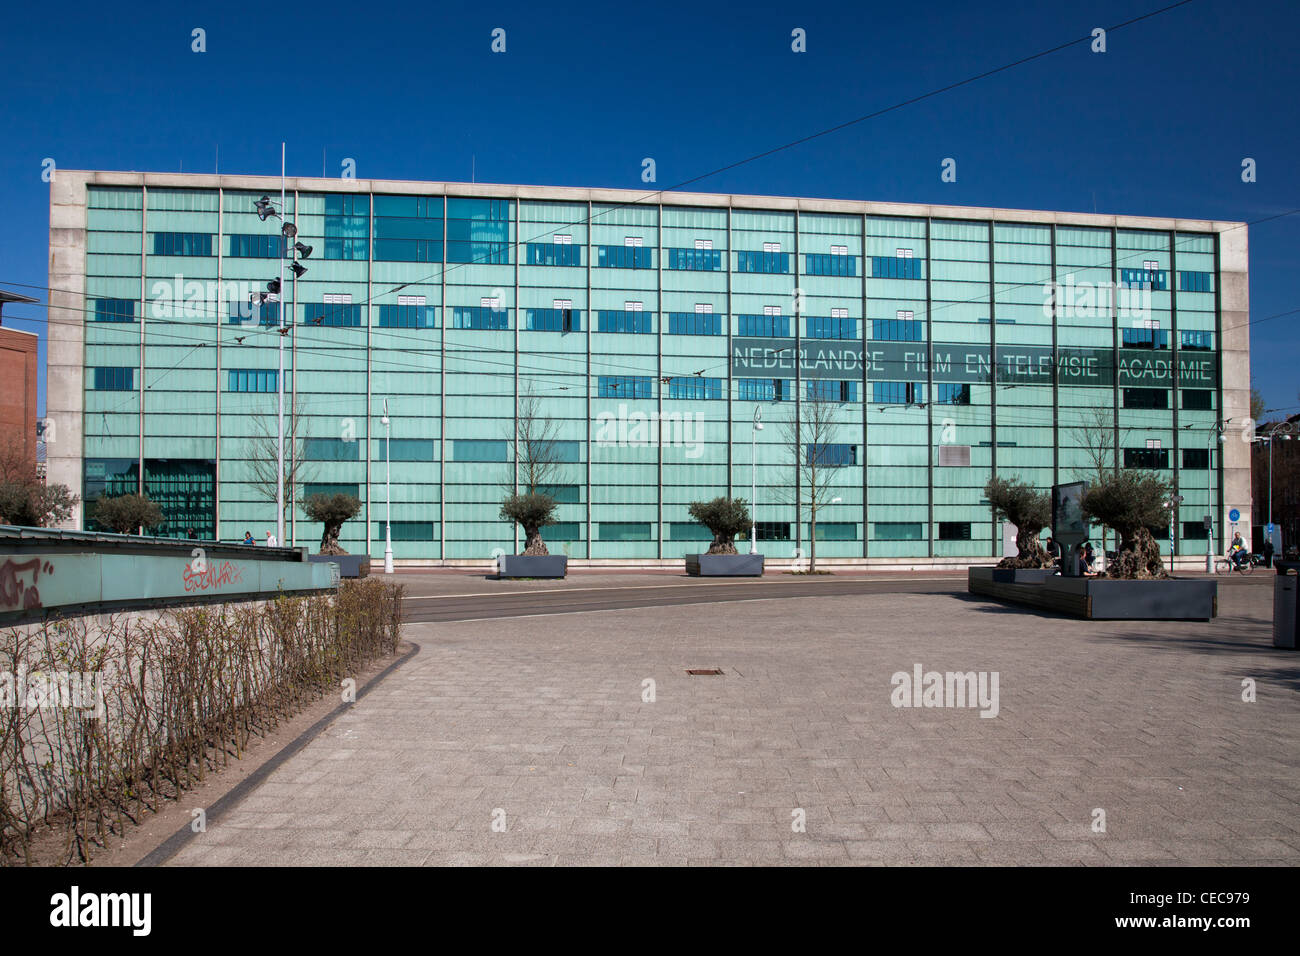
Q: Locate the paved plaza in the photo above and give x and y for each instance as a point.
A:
(532, 740)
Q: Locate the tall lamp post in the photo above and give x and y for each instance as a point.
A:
(1269, 439)
(753, 479)
(1215, 432)
(388, 492)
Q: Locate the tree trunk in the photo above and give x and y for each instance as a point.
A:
(721, 545)
(533, 543)
(329, 539)
(1030, 551)
(1138, 557)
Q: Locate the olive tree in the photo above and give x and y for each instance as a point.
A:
(331, 511)
(725, 518)
(532, 511)
(1030, 510)
(127, 514)
(1132, 503)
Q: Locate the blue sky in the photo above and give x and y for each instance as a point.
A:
(1158, 125)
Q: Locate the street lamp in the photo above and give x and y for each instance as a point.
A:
(1268, 439)
(753, 479)
(388, 491)
(1216, 431)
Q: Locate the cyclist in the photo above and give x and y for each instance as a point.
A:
(1237, 552)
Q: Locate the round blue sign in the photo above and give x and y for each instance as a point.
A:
(1234, 515)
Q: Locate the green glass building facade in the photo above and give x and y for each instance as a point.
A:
(946, 344)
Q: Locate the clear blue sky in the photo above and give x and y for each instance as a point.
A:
(1158, 125)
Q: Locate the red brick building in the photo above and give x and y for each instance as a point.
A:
(17, 383)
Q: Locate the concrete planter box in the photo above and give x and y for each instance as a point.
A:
(1020, 575)
(725, 565)
(350, 565)
(1103, 599)
(532, 565)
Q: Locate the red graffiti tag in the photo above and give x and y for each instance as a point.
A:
(215, 576)
(15, 593)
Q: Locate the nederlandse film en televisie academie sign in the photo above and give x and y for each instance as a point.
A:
(962, 364)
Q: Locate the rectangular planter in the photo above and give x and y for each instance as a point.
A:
(1021, 575)
(725, 565)
(350, 565)
(532, 565)
(1103, 599)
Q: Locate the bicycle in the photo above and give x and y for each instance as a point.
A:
(1227, 565)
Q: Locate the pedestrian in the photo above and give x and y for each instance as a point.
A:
(248, 538)
(270, 540)
(1268, 552)
(1089, 556)
(192, 534)
(1053, 550)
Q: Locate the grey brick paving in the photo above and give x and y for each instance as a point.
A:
(543, 719)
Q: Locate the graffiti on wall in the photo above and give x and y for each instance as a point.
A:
(16, 593)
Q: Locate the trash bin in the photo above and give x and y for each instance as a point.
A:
(1286, 622)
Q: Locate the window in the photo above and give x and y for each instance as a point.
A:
(1146, 457)
(896, 531)
(770, 325)
(947, 393)
(837, 531)
(903, 253)
(834, 327)
(562, 319)
(405, 449)
(347, 226)
(772, 531)
(954, 530)
(694, 323)
(564, 531)
(763, 389)
(115, 379)
(1195, 341)
(405, 530)
(824, 390)
(1195, 282)
(623, 531)
(831, 455)
(624, 257)
(331, 449)
(769, 261)
(245, 246)
(1198, 399)
(897, 330)
(625, 386)
(408, 316)
(182, 244)
(332, 315)
(408, 228)
(554, 253)
(703, 243)
(564, 494)
(478, 230)
(835, 264)
(1151, 277)
(566, 450)
(895, 267)
(479, 450)
(266, 314)
(699, 259)
(479, 317)
(635, 320)
(688, 531)
(1144, 338)
(114, 310)
(252, 380)
(1194, 531)
(330, 488)
(1196, 459)
(695, 387)
(897, 393)
(1146, 398)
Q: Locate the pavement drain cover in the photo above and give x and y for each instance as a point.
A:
(704, 672)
